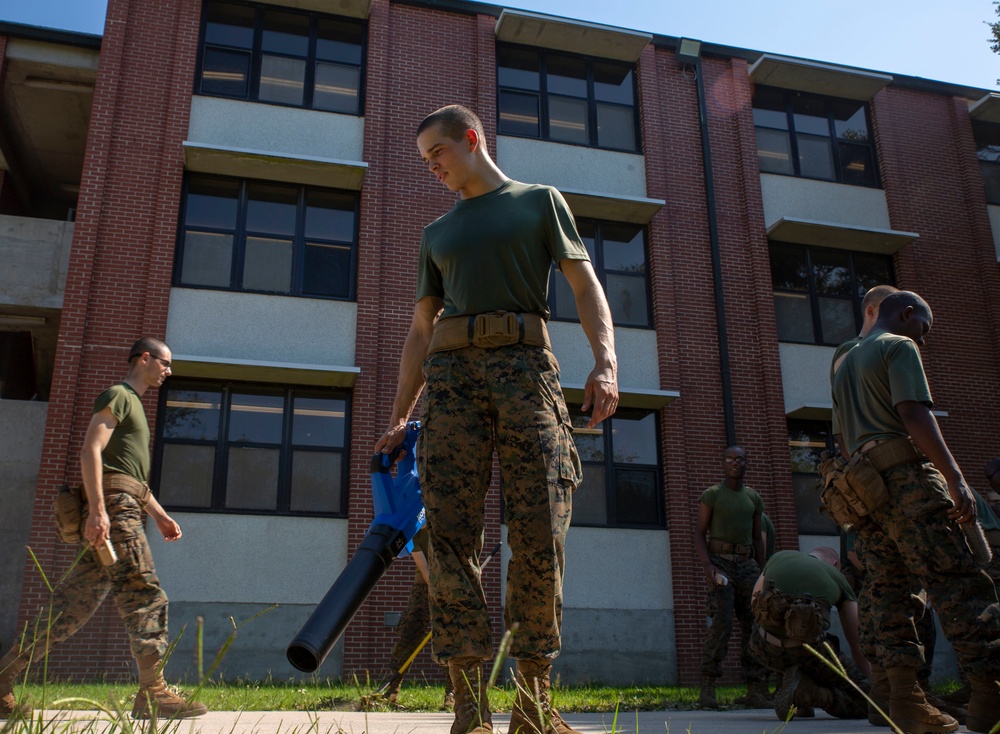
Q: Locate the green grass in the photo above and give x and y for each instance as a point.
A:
(415, 695)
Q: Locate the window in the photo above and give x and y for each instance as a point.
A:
(267, 238)
(987, 137)
(618, 253)
(818, 291)
(239, 447)
(282, 57)
(17, 366)
(806, 441)
(566, 98)
(621, 471)
(814, 137)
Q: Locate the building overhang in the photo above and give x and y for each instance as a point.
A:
(628, 397)
(844, 237)
(817, 78)
(811, 412)
(986, 109)
(349, 8)
(597, 205)
(563, 34)
(299, 169)
(219, 368)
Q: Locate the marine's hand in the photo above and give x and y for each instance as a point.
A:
(710, 573)
(601, 393)
(95, 531)
(168, 528)
(964, 509)
(391, 439)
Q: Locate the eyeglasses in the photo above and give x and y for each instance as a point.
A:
(161, 360)
(736, 460)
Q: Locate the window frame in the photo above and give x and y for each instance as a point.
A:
(829, 102)
(597, 261)
(611, 467)
(239, 234)
(857, 293)
(544, 119)
(256, 53)
(987, 138)
(222, 443)
(833, 529)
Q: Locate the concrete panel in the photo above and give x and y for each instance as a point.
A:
(805, 375)
(994, 212)
(823, 201)
(617, 647)
(637, 355)
(608, 568)
(583, 170)
(35, 254)
(266, 328)
(54, 54)
(258, 650)
(252, 126)
(22, 427)
(250, 559)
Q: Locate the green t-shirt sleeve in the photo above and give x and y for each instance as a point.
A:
(563, 238)
(708, 497)
(117, 399)
(846, 592)
(428, 276)
(907, 380)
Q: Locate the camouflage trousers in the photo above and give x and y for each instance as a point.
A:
(132, 581)
(910, 544)
(721, 605)
(508, 399)
(847, 702)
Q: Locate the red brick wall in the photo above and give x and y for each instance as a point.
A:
(117, 287)
(694, 433)
(934, 188)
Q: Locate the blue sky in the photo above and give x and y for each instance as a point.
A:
(936, 39)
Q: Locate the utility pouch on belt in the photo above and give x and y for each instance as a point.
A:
(856, 492)
(803, 619)
(67, 510)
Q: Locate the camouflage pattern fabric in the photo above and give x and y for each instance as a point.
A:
(132, 581)
(474, 400)
(909, 544)
(722, 602)
(413, 624)
(847, 702)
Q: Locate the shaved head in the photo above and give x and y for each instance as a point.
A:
(827, 555)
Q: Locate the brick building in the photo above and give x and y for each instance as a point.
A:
(241, 179)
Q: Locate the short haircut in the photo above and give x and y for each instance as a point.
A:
(149, 344)
(894, 303)
(826, 554)
(453, 121)
(876, 295)
(992, 466)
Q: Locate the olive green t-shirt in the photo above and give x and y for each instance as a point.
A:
(878, 374)
(494, 252)
(987, 518)
(127, 451)
(797, 573)
(837, 354)
(733, 511)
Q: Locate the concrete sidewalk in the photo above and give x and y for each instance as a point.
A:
(742, 721)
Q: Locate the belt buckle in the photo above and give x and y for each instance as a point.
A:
(495, 329)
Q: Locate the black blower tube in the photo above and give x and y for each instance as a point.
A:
(330, 618)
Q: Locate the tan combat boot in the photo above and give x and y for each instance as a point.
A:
(472, 704)
(984, 704)
(880, 695)
(11, 666)
(532, 712)
(449, 692)
(758, 697)
(706, 698)
(155, 700)
(391, 693)
(908, 707)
